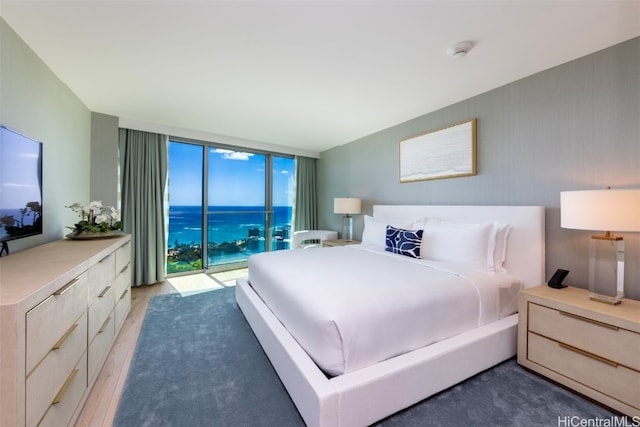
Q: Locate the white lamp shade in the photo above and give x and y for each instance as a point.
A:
(346, 205)
(604, 210)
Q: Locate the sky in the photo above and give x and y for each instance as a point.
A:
(18, 170)
(235, 178)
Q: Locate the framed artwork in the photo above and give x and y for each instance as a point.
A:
(443, 153)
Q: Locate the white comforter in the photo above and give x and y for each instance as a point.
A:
(350, 307)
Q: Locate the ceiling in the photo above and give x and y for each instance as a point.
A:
(305, 74)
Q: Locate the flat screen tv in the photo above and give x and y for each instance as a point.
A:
(20, 186)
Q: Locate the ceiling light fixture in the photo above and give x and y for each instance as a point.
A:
(459, 50)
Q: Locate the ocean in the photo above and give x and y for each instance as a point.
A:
(227, 224)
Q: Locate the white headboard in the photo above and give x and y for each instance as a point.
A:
(525, 248)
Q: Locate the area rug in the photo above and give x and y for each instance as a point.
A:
(197, 363)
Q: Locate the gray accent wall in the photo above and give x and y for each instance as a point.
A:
(104, 159)
(572, 127)
(34, 102)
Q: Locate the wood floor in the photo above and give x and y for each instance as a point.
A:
(102, 403)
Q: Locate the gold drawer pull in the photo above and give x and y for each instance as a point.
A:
(64, 388)
(595, 322)
(104, 325)
(65, 337)
(104, 259)
(587, 354)
(66, 287)
(124, 269)
(124, 294)
(104, 292)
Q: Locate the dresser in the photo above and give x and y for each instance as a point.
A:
(61, 306)
(590, 347)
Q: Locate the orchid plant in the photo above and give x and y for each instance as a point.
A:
(96, 218)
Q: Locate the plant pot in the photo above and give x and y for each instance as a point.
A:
(92, 235)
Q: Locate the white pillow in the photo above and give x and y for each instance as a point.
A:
(470, 244)
(375, 230)
(500, 252)
(496, 246)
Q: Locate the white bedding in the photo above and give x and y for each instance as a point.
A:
(351, 307)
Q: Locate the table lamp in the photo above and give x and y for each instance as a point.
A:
(606, 210)
(347, 206)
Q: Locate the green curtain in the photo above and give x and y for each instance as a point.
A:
(306, 205)
(143, 167)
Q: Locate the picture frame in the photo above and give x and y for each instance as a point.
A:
(448, 152)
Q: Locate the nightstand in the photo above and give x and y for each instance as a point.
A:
(339, 242)
(590, 347)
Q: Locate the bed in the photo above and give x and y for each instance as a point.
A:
(330, 389)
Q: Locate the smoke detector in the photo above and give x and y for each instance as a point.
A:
(459, 50)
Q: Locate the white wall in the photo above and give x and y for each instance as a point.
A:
(573, 127)
(34, 102)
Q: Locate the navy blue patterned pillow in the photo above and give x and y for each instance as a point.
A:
(403, 242)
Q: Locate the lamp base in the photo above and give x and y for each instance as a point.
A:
(347, 228)
(605, 299)
(606, 269)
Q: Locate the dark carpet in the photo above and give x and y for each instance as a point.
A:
(197, 363)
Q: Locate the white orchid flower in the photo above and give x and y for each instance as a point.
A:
(95, 214)
(115, 214)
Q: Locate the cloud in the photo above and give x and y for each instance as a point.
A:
(18, 185)
(233, 155)
(29, 155)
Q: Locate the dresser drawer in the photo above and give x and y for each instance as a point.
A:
(99, 347)
(607, 341)
(123, 257)
(101, 275)
(49, 377)
(605, 377)
(99, 311)
(122, 282)
(68, 397)
(50, 320)
(123, 305)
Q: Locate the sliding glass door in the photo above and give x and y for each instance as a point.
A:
(249, 206)
(237, 212)
(184, 245)
(282, 194)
